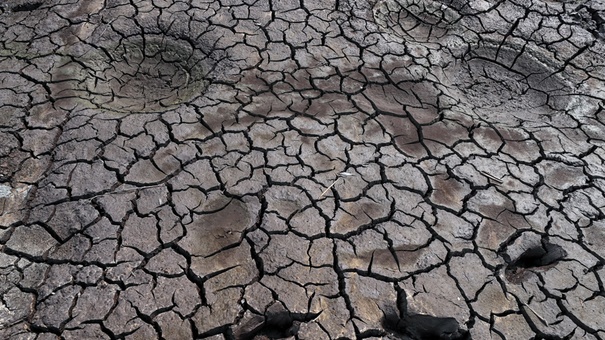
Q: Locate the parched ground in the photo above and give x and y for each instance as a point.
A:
(311, 169)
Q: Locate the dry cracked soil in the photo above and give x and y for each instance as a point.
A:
(302, 169)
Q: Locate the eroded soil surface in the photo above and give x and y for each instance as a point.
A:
(306, 169)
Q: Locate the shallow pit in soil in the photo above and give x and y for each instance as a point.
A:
(143, 74)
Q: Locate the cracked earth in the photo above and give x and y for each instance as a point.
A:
(311, 169)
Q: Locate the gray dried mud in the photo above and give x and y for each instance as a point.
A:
(393, 169)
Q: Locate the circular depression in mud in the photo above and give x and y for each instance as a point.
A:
(414, 20)
(143, 74)
(506, 82)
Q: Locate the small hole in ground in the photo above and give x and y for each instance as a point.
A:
(26, 7)
(542, 256)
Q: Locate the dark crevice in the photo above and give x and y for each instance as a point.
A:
(27, 7)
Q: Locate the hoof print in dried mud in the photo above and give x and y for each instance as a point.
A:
(541, 257)
(150, 73)
(415, 20)
(511, 84)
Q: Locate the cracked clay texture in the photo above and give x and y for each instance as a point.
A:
(302, 169)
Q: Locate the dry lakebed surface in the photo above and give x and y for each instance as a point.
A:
(302, 169)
